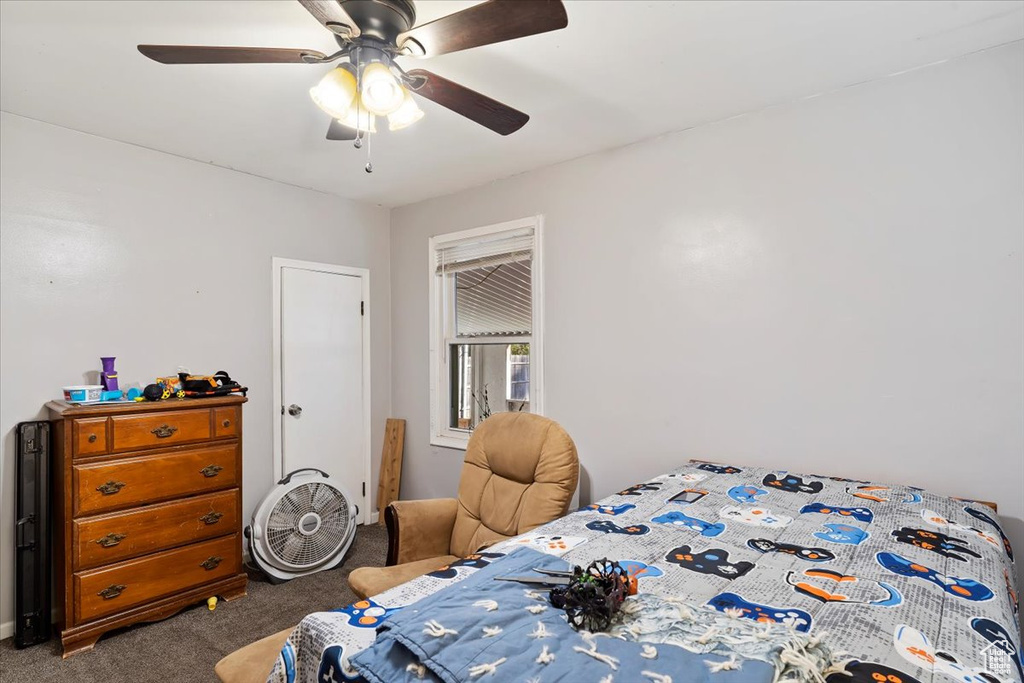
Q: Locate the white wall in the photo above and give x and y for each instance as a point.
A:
(111, 249)
(830, 286)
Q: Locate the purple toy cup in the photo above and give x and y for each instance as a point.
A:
(109, 374)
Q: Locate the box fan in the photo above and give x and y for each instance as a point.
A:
(304, 525)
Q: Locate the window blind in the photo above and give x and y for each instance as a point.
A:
(485, 252)
(492, 280)
(495, 300)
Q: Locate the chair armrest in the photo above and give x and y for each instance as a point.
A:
(418, 529)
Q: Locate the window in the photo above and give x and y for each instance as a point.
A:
(485, 350)
(517, 373)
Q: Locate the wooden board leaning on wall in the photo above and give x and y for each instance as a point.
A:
(389, 487)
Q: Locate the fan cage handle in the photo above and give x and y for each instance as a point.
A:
(302, 469)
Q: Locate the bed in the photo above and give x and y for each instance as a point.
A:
(878, 582)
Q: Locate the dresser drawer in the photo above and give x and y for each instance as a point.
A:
(89, 437)
(122, 535)
(160, 429)
(118, 484)
(121, 586)
(225, 422)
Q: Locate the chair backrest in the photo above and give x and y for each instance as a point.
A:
(520, 472)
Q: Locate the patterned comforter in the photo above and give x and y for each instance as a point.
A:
(908, 585)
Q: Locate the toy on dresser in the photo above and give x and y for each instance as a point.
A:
(94, 393)
(185, 385)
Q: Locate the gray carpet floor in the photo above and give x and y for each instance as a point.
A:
(184, 648)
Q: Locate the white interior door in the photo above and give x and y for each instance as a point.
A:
(322, 420)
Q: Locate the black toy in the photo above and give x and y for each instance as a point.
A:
(594, 595)
(219, 384)
(153, 392)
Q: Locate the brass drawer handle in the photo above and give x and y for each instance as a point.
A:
(110, 488)
(92, 438)
(210, 471)
(211, 563)
(112, 591)
(225, 423)
(211, 517)
(163, 431)
(111, 539)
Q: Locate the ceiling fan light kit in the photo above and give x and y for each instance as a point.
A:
(371, 35)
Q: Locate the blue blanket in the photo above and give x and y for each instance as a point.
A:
(481, 627)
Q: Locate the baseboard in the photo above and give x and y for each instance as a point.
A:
(7, 627)
(374, 517)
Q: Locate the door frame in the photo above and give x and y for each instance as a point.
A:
(278, 263)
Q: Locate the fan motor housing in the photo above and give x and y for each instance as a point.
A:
(309, 524)
(380, 19)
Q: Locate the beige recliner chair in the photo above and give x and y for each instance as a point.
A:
(520, 471)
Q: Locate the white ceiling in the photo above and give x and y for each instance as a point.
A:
(622, 71)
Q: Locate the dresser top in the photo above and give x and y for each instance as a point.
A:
(66, 409)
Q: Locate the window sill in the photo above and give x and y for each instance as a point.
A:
(459, 442)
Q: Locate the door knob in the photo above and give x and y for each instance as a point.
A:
(294, 410)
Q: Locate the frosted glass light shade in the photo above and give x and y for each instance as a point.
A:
(379, 89)
(335, 93)
(407, 114)
(357, 117)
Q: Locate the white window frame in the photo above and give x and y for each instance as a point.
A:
(440, 376)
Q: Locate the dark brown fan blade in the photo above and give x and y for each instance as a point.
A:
(337, 131)
(489, 22)
(499, 117)
(201, 54)
(331, 14)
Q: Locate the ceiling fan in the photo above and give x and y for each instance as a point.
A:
(372, 35)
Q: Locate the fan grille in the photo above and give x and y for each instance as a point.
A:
(290, 536)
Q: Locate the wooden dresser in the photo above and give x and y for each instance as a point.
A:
(147, 511)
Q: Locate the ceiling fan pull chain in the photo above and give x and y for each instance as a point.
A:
(369, 128)
(370, 164)
(358, 142)
(369, 145)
